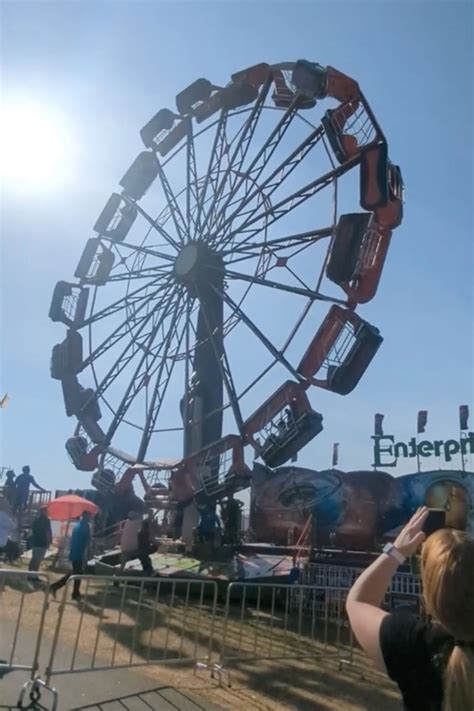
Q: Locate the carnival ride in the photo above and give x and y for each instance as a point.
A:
(206, 246)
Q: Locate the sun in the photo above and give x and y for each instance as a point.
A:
(35, 147)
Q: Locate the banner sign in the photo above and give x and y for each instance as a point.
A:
(387, 451)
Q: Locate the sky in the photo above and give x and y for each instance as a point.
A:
(97, 71)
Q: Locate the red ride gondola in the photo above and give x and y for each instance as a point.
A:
(214, 472)
(343, 347)
(283, 425)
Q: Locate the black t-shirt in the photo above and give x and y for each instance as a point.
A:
(415, 654)
(41, 532)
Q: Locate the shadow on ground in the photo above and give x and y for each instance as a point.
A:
(318, 685)
(160, 699)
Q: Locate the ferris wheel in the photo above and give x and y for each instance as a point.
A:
(221, 286)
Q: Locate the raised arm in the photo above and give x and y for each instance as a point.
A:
(367, 593)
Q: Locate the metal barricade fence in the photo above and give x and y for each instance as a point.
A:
(123, 622)
(405, 589)
(330, 575)
(272, 621)
(21, 624)
(338, 576)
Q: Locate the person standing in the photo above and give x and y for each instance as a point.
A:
(7, 525)
(129, 538)
(41, 538)
(431, 661)
(22, 489)
(80, 540)
(144, 547)
(209, 526)
(9, 487)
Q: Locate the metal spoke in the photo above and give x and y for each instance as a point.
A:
(148, 250)
(261, 160)
(187, 358)
(146, 273)
(154, 407)
(308, 293)
(308, 306)
(278, 176)
(207, 127)
(251, 255)
(192, 180)
(289, 203)
(239, 154)
(124, 328)
(136, 381)
(308, 237)
(122, 303)
(176, 214)
(153, 223)
(225, 372)
(298, 279)
(214, 164)
(258, 333)
(225, 405)
(128, 353)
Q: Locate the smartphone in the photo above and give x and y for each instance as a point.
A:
(435, 520)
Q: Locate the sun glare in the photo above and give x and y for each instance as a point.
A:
(34, 147)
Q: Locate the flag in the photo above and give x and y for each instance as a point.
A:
(4, 401)
(378, 421)
(463, 417)
(422, 420)
(335, 453)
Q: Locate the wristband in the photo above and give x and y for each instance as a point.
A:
(393, 552)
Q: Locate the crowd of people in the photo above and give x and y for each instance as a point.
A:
(16, 489)
(135, 537)
(13, 503)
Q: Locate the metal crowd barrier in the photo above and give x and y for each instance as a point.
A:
(19, 646)
(272, 621)
(339, 576)
(124, 622)
(141, 621)
(22, 628)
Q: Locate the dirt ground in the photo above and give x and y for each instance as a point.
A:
(129, 628)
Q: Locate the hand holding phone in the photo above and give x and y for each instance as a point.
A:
(435, 520)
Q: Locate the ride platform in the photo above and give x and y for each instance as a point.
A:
(223, 566)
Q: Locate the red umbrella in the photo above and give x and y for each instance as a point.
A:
(64, 508)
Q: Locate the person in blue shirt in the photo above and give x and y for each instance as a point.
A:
(78, 549)
(209, 526)
(22, 489)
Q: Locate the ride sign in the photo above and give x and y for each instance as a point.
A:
(386, 445)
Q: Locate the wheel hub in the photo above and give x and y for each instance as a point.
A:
(197, 266)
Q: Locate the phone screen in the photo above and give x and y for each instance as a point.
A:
(435, 520)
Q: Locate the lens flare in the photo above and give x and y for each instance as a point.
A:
(35, 147)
